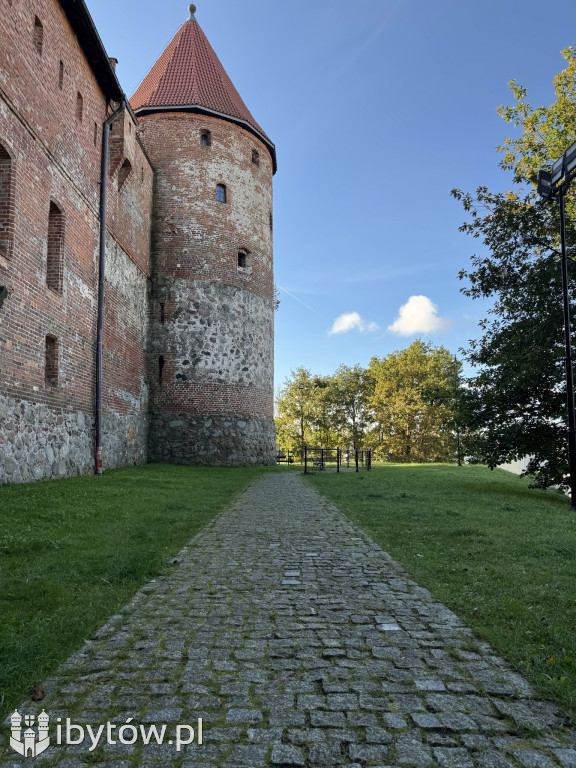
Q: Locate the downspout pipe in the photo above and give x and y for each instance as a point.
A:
(101, 272)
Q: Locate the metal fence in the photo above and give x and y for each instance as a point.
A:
(336, 459)
(286, 457)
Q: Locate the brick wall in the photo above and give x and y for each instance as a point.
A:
(208, 313)
(212, 316)
(51, 266)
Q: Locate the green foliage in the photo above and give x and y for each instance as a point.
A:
(516, 401)
(402, 405)
(306, 412)
(352, 389)
(497, 553)
(546, 131)
(414, 403)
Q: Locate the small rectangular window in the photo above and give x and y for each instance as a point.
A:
(6, 204)
(124, 172)
(55, 248)
(245, 262)
(51, 362)
(79, 107)
(38, 34)
(61, 75)
(221, 193)
(206, 138)
(95, 134)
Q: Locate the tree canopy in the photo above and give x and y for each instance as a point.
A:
(414, 403)
(516, 401)
(402, 405)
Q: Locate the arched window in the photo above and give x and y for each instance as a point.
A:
(51, 362)
(206, 138)
(255, 157)
(221, 193)
(124, 172)
(55, 250)
(38, 34)
(6, 204)
(160, 368)
(79, 107)
(244, 261)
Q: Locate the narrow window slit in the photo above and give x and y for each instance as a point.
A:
(38, 35)
(51, 362)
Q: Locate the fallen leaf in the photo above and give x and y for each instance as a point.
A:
(38, 693)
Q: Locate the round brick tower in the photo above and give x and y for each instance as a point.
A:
(211, 341)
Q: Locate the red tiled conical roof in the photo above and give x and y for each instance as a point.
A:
(190, 76)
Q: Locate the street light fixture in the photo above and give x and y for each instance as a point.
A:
(552, 184)
(301, 387)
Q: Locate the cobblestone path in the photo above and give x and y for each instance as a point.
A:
(300, 643)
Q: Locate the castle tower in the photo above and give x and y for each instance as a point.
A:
(212, 305)
(43, 720)
(16, 722)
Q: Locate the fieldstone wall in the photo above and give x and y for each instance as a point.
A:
(124, 439)
(215, 332)
(212, 440)
(38, 442)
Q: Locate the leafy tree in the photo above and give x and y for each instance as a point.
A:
(293, 406)
(352, 389)
(516, 402)
(414, 404)
(305, 412)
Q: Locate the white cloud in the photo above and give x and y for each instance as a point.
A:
(351, 321)
(418, 315)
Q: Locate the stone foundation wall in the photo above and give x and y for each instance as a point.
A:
(124, 439)
(217, 440)
(38, 442)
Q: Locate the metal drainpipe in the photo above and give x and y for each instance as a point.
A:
(101, 269)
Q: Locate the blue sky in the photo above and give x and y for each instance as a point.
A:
(378, 108)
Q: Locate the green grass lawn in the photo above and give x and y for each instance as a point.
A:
(73, 551)
(501, 555)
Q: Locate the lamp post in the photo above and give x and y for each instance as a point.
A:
(456, 399)
(552, 184)
(301, 386)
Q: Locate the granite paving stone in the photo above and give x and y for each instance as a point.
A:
(299, 642)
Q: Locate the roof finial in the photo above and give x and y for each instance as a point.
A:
(192, 9)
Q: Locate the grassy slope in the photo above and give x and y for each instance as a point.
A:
(501, 555)
(73, 551)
